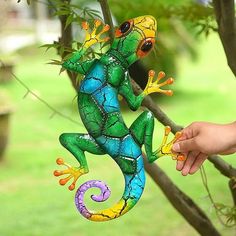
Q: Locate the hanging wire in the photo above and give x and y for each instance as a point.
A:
(219, 208)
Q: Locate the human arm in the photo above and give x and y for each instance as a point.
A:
(201, 139)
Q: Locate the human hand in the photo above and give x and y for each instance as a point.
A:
(201, 139)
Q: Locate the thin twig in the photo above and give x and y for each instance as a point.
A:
(107, 17)
(55, 112)
(205, 184)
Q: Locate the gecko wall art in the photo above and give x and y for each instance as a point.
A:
(98, 104)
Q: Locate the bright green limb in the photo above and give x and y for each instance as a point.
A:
(155, 86)
(73, 63)
(125, 89)
(142, 131)
(166, 147)
(90, 39)
(77, 144)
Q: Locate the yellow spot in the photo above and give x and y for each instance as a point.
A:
(110, 213)
(147, 24)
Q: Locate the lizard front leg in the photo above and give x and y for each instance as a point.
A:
(91, 37)
(154, 86)
(135, 102)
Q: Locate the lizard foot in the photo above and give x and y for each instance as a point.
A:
(72, 172)
(91, 36)
(165, 148)
(155, 86)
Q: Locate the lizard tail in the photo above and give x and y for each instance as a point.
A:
(134, 185)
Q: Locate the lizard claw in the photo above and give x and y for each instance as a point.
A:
(72, 172)
(165, 148)
(155, 86)
(94, 37)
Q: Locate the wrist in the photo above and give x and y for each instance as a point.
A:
(232, 128)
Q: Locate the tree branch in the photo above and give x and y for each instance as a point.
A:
(107, 17)
(221, 165)
(225, 18)
(66, 41)
(185, 205)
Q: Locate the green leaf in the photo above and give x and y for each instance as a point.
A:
(62, 12)
(61, 70)
(69, 20)
(61, 50)
(54, 62)
(51, 45)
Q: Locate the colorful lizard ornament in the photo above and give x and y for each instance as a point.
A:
(100, 112)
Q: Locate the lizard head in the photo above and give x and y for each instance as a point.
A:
(135, 38)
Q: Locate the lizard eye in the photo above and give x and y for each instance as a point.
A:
(145, 47)
(124, 28)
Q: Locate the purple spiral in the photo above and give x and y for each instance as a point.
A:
(79, 196)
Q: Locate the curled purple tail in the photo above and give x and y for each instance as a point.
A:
(79, 196)
(134, 185)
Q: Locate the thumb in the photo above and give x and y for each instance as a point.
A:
(184, 146)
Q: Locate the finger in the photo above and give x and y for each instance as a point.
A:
(182, 137)
(198, 162)
(189, 162)
(184, 146)
(180, 164)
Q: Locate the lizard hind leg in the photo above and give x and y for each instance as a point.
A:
(76, 144)
(142, 131)
(165, 147)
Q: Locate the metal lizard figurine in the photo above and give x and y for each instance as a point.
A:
(99, 109)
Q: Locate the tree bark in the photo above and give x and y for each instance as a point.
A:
(107, 17)
(66, 40)
(225, 18)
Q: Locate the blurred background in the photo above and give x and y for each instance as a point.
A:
(188, 48)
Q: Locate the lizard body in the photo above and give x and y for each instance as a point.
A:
(100, 112)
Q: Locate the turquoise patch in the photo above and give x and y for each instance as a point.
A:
(129, 148)
(106, 97)
(93, 80)
(110, 145)
(134, 185)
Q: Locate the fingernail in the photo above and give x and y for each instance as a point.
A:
(176, 147)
